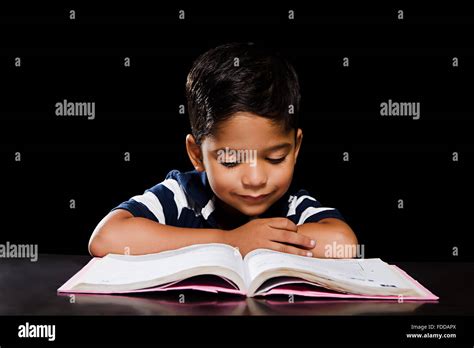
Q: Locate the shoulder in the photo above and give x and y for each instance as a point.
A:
(300, 198)
(176, 180)
(303, 207)
(184, 179)
(187, 188)
(174, 183)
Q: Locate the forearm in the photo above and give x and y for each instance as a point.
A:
(137, 236)
(330, 234)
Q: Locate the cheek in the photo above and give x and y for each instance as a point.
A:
(222, 178)
(282, 174)
(281, 178)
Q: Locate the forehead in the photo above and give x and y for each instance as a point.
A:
(245, 129)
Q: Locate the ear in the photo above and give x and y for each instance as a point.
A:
(194, 152)
(299, 139)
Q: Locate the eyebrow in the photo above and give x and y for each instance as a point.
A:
(282, 146)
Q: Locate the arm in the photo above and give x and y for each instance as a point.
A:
(328, 233)
(120, 232)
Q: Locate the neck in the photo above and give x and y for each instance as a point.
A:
(228, 217)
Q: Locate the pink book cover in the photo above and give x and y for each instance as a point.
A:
(287, 289)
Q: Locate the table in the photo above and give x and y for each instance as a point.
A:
(30, 288)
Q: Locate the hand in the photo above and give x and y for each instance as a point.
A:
(279, 234)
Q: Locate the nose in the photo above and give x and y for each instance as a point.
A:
(254, 176)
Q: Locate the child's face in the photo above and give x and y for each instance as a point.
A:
(247, 156)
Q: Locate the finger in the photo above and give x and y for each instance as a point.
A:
(283, 224)
(288, 249)
(297, 239)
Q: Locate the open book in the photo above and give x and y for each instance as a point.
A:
(221, 268)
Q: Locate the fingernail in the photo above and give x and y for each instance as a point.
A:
(313, 242)
(309, 254)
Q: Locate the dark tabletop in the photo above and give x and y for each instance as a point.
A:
(29, 288)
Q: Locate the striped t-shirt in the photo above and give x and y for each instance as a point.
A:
(185, 199)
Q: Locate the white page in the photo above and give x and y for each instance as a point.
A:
(125, 269)
(369, 272)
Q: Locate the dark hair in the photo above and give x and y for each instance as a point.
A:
(262, 82)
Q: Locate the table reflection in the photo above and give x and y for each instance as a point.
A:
(194, 303)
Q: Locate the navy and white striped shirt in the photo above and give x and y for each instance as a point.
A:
(185, 199)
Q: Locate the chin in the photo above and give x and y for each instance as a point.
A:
(253, 211)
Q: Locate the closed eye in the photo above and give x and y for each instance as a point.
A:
(276, 160)
(229, 164)
(271, 160)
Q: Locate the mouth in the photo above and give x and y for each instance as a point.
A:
(253, 199)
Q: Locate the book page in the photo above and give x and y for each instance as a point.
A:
(115, 269)
(369, 272)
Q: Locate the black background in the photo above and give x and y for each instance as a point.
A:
(391, 158)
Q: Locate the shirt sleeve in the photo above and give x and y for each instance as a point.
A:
(302, 208)
(157, 203)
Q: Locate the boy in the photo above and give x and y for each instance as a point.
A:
(243, 106)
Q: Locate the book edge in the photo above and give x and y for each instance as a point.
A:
(67, 286)
(429, 296)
